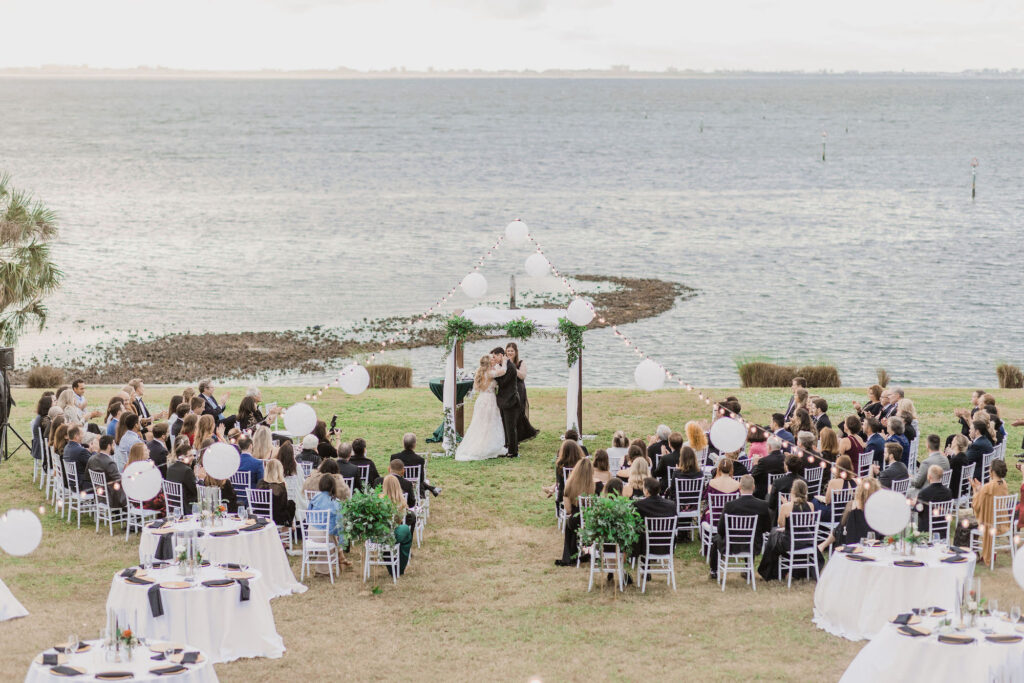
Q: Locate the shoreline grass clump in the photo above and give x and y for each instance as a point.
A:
(389, 376)
(44, 377)
(758, 373)
(883, 377)
(1010, 376)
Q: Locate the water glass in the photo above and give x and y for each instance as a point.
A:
(242, 512)
(1015, 613)
(195, 510)
(993, 607)
(72, 645)
(936, 539)
(871, 536)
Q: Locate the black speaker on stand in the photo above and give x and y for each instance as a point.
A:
(6, 403)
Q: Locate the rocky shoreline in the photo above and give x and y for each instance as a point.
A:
(176, 358)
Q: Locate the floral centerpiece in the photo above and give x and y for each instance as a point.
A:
(369, 516)
(611, 520)
(908, 539)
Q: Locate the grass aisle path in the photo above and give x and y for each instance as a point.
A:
(482, 598)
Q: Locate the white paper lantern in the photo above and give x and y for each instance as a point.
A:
(516, 232)
(649, 376)
(887, 512)
(580, 312)
(537, 265)
(20, 532)
(142, 480)
(220, 460)
(728, 434)
(474, 285)
(300, 419)
(354, 379)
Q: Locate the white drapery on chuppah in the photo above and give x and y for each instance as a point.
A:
(546, 320)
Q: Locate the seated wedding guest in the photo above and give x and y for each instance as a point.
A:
(894, 470)
(249, 417)
(794, 472)
(396, 468)
(616, 454)
(895, 429)
(843, 477)
(983, 506)
(874, 405)
(114, 410)
(179, 471)
(569, 453)
(327, 498)
(854, 526)
(262, 443)
(293, 479)
(802, 422)
(323, 444)
(579, 483)
(852, 444)
(359, 459)
(282, 507)
(614, 488)
(890, 403)
(981, 445)
(934, 492)
(206, 428)
(687, 469)
(214, 408)
(779, 538)
(403, 532)
(722, 482)
(965, 416)
(573, 435)
(997, 424)
(746, 504)
(652, 505)
(177, 419)
(819, 413)
(696, 438)
(39, 424)
(638, 471)
(935, 457)
(601, 474)
(779, 428)
(129, 433)
(247, 462)
(328, 468)
(671, 459)
(346, 468)
(59, 439)
(659, 442)
(875, 441)
(956, 451)
(757, 444)
(739, 467)
(409, 456)
(75, 452)
(773, 463)
(797, 384)
(633, 453)
(188, 428)
(828, 447)
(157, 446)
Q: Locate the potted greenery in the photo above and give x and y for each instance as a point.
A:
(611, 521)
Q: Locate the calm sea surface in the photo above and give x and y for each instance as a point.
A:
(255, 205)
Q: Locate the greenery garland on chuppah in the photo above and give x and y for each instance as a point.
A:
(459, 328)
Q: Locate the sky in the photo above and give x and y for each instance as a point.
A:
(764, 35)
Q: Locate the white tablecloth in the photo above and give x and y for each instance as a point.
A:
(10, 608)
(94, 661)
(855, 600)
(212, 619)
(260, 549)
(894, 657)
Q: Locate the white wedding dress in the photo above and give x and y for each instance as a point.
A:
(485, 437)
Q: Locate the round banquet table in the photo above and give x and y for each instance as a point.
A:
(214, 619)
(855, 600)
(10, 608)
(892, 656)
(93, 661)
(260, 549)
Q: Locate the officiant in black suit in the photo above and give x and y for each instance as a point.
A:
(508, 400)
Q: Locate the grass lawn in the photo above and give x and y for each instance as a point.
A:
(482, 599)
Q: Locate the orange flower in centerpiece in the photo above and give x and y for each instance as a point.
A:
(127, 633)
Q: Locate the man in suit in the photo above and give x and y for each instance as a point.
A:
(409, 456)
(746, 504)
(981, 446)
(773, 463)
(212, 407)
(779, 428)
(179, 413)
(797, 384)
(934, 492)
(653, 504)
(819, 413)
(794, 470)
(895, 428)
(660, 442)
(346, 468)
(935, 457)
(670, 459)
(309, 452)
(359, 459)
(247, 462)
(508, 399)
(894, 470)
(179, 471)
(103, 461)
(875, 441)
(75, 452)
(158, 447)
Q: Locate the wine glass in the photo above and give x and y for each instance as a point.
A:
(929, 611)
(993, 607)
(195, 510)
(72, 645)
(1015, 614)
(871, 537)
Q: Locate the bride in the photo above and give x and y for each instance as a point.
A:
(485, 437)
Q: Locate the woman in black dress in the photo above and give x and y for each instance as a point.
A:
(525, 430)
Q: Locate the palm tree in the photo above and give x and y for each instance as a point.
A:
(27, 275)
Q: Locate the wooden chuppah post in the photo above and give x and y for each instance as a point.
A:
(579, 398)
(459, 410)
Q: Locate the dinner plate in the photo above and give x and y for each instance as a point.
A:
(914, 619)
(61, 658)
(114, 675)
(56, 671)
(240, 575)
(921, 631)
(176, 658)
(165, 646)
(1004, 638)
(82, 647)
(175, 585)
(163, 530)
(955, 639)
(172, 670)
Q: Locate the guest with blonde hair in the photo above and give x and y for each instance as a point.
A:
(282, 508)
(580, 483)
(392, 488)
(854, 525)
(263, 444)
(639, 470)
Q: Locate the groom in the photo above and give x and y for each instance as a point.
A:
(508, 399)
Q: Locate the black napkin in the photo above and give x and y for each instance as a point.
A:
(190, 658)
(219, 534)
(937, 610)
(66, 671)
(51, 659)
(168, 670)
(958, 550)
(156, 604)
(159, 657)
(908, 563)
(243, 593)
(955, 559)
(215, 583)
(165, 548)
(911, 631)
(255, 527)
(860, 558)
(114, 675)
(130, 571)
(138, 580)
(902, 619)
(953, 640)
(230, 565)
(156, 524)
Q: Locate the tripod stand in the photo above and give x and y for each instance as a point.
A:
(6, 403)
